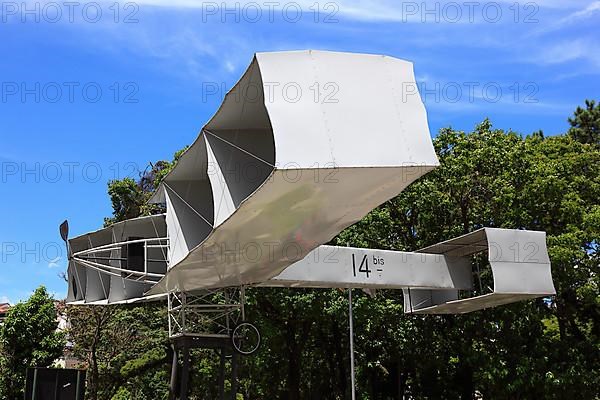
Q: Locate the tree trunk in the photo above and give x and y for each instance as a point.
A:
(93, 374)
(401, 380)
(465, 380)
(341, 361)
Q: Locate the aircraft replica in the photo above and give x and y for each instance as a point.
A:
(303, 146)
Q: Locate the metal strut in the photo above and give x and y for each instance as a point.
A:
(210, 319)
(209, 313)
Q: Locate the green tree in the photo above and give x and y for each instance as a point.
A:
(29, 338)
(129, 197)
(585, 123)
(124, 348)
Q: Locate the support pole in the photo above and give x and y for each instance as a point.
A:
(222, 375)
(78, 395)
(351, 323)
(185, 373)
(174, 367)
(234, 375)
(34, 392)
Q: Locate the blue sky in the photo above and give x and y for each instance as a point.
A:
(94, 91)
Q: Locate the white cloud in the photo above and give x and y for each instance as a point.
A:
(577, 16)
(229, 66)
(381, 10)
(567, 51)
(586, 12)
(54, 262)
(4, 299)
(175, 35)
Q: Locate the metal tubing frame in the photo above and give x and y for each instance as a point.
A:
(85, 257)
(210, 313)
(204, 319)
(117, 245)
(181, 368)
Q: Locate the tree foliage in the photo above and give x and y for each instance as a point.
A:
(129, 198)
(585, 123)
(125, 350)
(28, 338)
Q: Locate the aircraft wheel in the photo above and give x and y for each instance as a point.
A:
(245, 338)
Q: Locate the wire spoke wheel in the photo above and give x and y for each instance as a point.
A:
(245, 338)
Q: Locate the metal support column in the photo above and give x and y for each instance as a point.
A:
(208, 319)
(185, 373)
(222, 375)
(174, 367)
(351, 323)
(234, 375)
